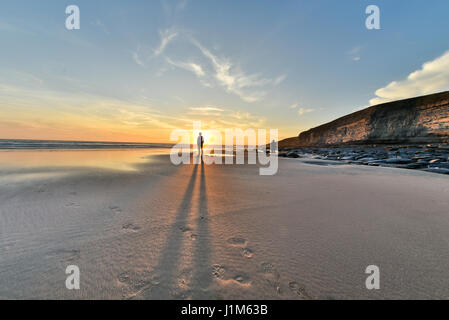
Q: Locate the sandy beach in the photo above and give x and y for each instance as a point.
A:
(139, 227)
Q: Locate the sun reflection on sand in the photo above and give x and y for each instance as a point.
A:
(22, 165)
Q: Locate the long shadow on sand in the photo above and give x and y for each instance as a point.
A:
(202, 276)
(171, 284)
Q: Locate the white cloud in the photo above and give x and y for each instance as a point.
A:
(137, 59)
(303, 111)
(355, 53)
(235, 81)
(431, 78)
(166, 36)
(355, 50)
(189, 66)
(216, 70)
(206, 109)
(279, 79)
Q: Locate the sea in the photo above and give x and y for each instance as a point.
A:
(18, 144)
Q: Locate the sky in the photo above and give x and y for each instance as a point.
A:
(137, 70)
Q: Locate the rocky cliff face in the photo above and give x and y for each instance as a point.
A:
(417, 120)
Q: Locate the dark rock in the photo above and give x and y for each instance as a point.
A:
(440, 165)
(438, 170)
(398, 161)
(292, 155)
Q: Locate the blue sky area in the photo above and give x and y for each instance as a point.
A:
(138, 69)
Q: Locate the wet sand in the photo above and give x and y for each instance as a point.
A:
(151, 230)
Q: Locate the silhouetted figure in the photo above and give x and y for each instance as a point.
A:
(273, 147)
(200, 142)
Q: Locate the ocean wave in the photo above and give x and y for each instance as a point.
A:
(14, 144)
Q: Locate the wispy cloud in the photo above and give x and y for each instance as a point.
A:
(355, 50)
(354, 53)
(137, 59)
(303, 111)
(166, 36)
(78, 115)
(206, 109)
(216, 71)
(235, 81)
(431, 78)
(189, 66)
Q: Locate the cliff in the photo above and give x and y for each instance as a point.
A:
(417, 120)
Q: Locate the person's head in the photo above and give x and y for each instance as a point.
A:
(201, 134)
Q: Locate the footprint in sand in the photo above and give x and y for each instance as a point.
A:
(247, 253)
(193, 236)
(299, 290)
(189, 231)
(131, 227)
(237, 242)
(115, 209)
(241, 242)
(185, 229)
(218, 271)
(181, 288)
(242, 279)
(72, 205)
(136, 282)
(226, 276)
(272, 276)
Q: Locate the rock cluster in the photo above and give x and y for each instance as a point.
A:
(430, 157)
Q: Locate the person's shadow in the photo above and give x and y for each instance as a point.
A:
(202, 256)
(199, 157)
(169, 262)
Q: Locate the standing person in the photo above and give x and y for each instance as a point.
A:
(200, 142)
(273, 146)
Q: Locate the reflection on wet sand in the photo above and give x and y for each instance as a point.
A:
(20, 165)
